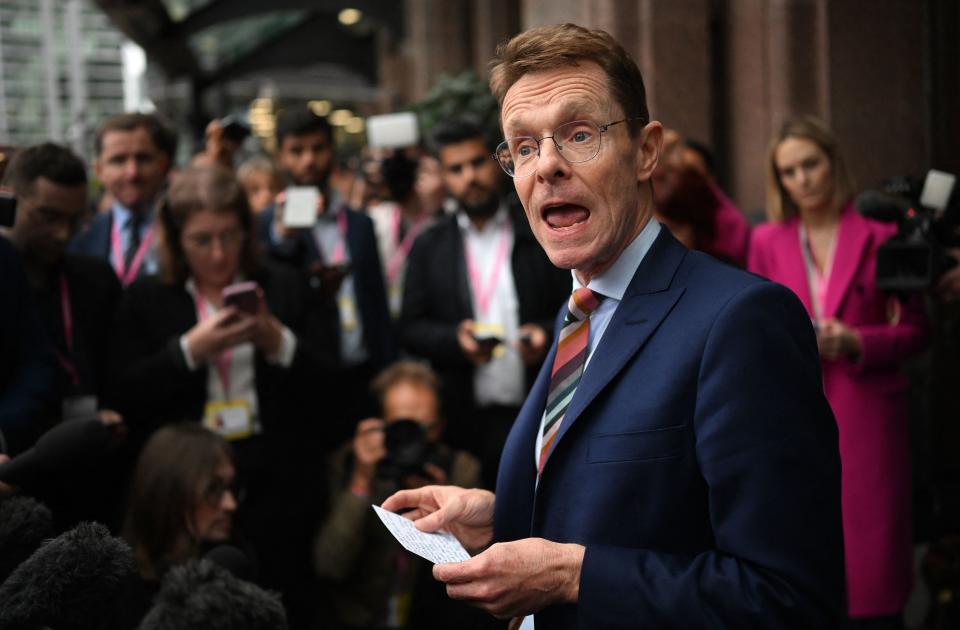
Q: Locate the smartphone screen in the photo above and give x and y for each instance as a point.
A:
(300, 208)
(242, 296)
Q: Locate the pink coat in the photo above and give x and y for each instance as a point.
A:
(868, 398)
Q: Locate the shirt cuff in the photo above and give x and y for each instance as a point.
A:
(187, 357)
(288, 347)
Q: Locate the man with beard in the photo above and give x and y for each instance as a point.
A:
(76, 297)
(134, 155)
(340, 255)
(479, 296)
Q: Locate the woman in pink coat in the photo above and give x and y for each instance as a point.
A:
(816, 244)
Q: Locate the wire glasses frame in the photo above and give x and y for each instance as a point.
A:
(577, 141)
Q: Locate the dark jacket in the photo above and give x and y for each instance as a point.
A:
(436, 298)
(301, 252)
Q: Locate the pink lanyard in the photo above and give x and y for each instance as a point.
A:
(815, 280)
(403, 248)
(483, 294)
(67, 311)
(340, 249)
(223, 359)
(128, 275)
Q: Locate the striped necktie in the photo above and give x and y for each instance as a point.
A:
(568, 365)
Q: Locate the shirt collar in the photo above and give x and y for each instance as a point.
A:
(123, 214)
(500, 217)
(613, 282)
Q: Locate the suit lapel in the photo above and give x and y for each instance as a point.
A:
(852, 244)
(464, 297)
(102, 237)
(647, 301)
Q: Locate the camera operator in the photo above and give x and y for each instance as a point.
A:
(373, 582)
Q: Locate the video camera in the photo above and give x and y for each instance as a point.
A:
(928, 223)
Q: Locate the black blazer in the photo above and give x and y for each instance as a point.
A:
(154, 385)
(367, 275)
(436, 298)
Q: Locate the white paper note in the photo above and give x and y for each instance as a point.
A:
(438, 547)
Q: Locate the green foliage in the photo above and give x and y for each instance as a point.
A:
(456, 95)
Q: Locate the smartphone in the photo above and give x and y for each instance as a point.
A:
(393, 131)
(300, 208)
(487, 341)
(242, 296)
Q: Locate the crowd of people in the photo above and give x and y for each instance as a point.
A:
(263, 384)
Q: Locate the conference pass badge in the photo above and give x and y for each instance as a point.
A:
(230, 418)
(348, 312)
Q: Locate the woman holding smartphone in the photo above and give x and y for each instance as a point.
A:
(245, 361)
(816, 244)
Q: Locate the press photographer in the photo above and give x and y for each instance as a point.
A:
(373, 582)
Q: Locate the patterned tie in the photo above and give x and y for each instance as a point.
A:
(568, 364)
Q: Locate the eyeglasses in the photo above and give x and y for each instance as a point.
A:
(203, 242)
(213, 493)
(577, 141)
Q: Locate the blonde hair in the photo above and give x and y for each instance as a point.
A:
(780, 206)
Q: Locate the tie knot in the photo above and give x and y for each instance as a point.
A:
(583, 301)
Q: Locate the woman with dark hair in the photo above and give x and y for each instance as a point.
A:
(181, 497)
(248, 372)
(181, 504)
(820, 247)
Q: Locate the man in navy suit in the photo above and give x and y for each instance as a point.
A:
(340, 254)
(134, 155)
(694, 480)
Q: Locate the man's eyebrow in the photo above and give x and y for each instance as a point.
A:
(574, 109)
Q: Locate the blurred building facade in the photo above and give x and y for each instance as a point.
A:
(61, 71)
(885, 74)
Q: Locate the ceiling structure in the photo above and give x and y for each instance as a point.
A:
(211, 42)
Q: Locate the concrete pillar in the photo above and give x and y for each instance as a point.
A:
(437, 42)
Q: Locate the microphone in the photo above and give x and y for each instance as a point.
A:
(880, 206)
(65, 445)
(69, 583)
(201, 595)
(24, 525)
(231, 559)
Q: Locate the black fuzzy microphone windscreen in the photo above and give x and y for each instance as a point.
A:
(71, 582)
(201, 595)
(24, 524)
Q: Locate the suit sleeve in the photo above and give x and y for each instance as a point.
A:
(766, 445)
(32, 364)
(421, 333)
(151, 373)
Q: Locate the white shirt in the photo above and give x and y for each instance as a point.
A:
(501, 380)
(121, 219)
(243, 384)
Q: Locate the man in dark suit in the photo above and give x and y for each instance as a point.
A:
(76, 297)
(477, 273)
(134, 155)
(340, 254)
(675, 464)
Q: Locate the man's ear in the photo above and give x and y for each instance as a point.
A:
(648, 146)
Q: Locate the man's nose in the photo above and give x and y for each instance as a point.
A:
(228, 502)
(551, 164)
(131, 168)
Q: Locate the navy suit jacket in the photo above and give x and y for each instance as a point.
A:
(367, 274)
(697, 463)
